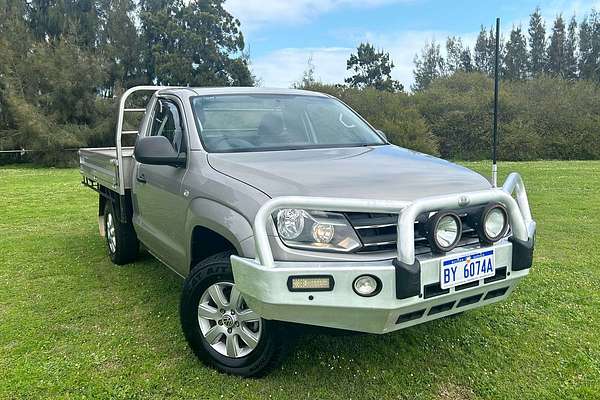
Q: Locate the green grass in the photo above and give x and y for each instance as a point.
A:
(73, 325)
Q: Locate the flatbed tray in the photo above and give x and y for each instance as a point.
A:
(100, 165)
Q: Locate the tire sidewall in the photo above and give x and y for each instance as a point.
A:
(196, 284)
(108, 209)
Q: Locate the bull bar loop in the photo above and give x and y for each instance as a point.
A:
(519, 213)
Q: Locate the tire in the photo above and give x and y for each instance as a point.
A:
(121, 240)
(229, 352)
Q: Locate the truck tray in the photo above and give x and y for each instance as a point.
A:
(100, 165)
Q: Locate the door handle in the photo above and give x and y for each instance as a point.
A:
(141, 178)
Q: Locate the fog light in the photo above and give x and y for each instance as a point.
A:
(444, 231)
(494, 223)
(314, 283)
(366, 285)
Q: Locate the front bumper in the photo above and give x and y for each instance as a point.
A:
(410, 292)
(266, 291)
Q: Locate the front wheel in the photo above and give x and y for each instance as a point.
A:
(221, 329)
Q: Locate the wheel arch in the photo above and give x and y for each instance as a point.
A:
(213, 228)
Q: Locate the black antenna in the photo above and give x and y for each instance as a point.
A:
(495, 129)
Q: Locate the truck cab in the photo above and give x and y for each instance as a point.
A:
(282, 207)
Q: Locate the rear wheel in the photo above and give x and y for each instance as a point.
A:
(221, 329)
(121, 239)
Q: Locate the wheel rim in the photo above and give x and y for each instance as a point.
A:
(227, 324)
(110, 233)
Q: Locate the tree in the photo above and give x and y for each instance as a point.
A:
(491, 51)
(121, 46)
(482, 57)
(537, 43)
(196, 43)
(515, 59)
(589, 47)
(485, 51)
(555, 58)
(571, 50)
(466, 61)
(458, 57)
(429, 66)
(52, 19)
(371, 69)
(308, 76)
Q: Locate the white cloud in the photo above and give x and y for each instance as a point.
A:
(283, 67)
(403, 47)
(254, 14)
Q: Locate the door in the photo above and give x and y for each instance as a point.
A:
(158, 193)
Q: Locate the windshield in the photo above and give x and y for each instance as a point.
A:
(234, 123)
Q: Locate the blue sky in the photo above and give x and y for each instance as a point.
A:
(281, 35)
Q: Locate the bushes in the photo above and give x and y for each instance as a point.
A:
(393, 113)
(50, 103)
(543, 118)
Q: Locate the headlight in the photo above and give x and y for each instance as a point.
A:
(316, 230)
(444, 231)
(494, 223)
(290, 223)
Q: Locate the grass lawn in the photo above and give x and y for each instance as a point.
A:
(73, 325)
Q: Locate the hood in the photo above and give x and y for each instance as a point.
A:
(377, 172)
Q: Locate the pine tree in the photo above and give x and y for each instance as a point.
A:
(466, 61)
(429, 66)
(481, 57)
(454, 54)
(372, 69)
(491, 52)
(589, 47)
(515, 59)
(458, 57)
(121, 46)
(485, 51)
(555, 56)
(537, 43)
(195, 43)
(54, 19)
(586, 56)
(571, 50)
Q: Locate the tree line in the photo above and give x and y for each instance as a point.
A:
(540, 118)
(549, 96)
(64, 61)
(568, 51)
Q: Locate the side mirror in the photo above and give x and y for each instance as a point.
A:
(157, 150)
(382, 133)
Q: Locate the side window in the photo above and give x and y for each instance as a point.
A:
(167, 122)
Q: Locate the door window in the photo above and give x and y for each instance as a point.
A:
(167, 122)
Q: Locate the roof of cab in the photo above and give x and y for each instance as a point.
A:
(214, 91)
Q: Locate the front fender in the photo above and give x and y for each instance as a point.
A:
(221, 219)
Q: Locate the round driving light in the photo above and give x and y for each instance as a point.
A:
(323, 233)
(444, 231)
(494, 223)
(366, 285)
(290, 223)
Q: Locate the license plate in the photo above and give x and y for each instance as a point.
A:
(467, 268)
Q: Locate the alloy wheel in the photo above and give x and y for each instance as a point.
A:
(227, 324)
(110, 233)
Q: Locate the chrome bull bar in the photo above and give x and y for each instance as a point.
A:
(519, 213)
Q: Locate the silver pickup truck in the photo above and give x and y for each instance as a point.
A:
(285, 207)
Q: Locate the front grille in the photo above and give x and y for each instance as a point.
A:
(378, 232)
